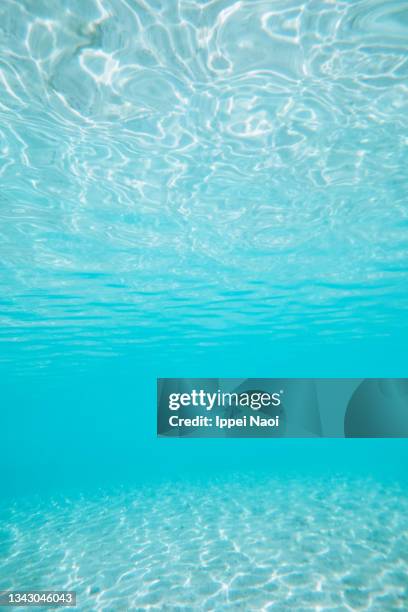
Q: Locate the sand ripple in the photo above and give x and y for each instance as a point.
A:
(247, 544)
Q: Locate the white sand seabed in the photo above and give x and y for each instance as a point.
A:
(238, 544)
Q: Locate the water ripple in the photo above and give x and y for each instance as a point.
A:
(159, 151)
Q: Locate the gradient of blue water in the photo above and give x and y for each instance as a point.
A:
(199, 188)
(74, 430)
(195, 189)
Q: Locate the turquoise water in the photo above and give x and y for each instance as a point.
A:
(196, 189)
(232, 544)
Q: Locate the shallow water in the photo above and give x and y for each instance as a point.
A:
(235, 544)
(193, 171)
(199, 189)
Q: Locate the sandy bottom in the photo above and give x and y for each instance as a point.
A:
(238, 544)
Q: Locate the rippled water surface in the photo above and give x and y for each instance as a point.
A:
(199, 188)
(200, 169)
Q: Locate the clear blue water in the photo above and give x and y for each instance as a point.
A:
(194, 189)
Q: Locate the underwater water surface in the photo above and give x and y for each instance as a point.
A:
(199, 188)
(190, 171)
